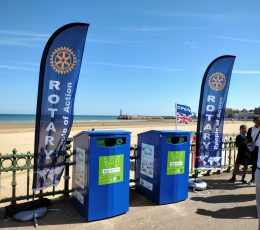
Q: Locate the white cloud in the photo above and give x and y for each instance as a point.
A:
(18, 38)
(238, 39)
(107, 41)
(18, 42)
(146, 28)
(19, 67)
(136, 66)
(25, 63)
(247, 72)
(192, 45)
(22, 33)
(192, 16)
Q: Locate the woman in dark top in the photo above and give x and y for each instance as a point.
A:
(242, 158)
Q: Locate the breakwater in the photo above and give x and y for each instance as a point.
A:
(141, 117)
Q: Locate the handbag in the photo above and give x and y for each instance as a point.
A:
(251, 146)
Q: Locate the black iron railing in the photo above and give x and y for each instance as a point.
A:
(17, 169)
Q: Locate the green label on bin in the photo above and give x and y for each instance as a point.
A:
(111, 169)
(175, 162)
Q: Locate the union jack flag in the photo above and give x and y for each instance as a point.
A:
(183, 114)
(183, 118)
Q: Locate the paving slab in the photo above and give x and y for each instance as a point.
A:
(224, 205)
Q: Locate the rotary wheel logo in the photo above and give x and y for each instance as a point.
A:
(217, 81)
(63, 60)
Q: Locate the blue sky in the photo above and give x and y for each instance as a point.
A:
(141, 56)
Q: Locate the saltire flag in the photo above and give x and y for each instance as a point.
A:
(183, 114)
(59, 72)
(213, 98)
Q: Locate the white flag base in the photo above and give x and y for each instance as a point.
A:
(197, 184)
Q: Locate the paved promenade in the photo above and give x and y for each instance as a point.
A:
(223, 206)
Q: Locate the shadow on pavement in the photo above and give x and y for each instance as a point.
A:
(224, 184)
(226, 198)
(137, 199)
(245, 212)
(66, 213)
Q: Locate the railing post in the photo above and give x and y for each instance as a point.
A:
(13, 183)
(192, 152)
(133, 157)
(28, 164)
(229, 154)
(67, 153)
(226, 157)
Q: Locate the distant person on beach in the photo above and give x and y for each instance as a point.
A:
(242, 158)
(252, 137)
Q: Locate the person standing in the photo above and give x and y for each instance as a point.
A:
(241, 158)
(252, 136)
(257, 178)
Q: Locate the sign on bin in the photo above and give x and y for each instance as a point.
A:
(147, 160)
(176, 162)
(111, 169)
(80, 168)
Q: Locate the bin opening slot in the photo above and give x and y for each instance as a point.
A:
(176, 139)
(111, 141)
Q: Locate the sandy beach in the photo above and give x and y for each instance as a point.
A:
(21, 136)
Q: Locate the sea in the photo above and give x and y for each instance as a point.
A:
(30, 118)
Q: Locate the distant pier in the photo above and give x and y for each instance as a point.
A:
(140, 117)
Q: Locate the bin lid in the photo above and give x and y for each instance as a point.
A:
(107, 132)
(169, 132)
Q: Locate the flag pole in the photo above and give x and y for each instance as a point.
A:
(176, 116)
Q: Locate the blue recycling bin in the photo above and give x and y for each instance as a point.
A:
(162, 166)
(100, 176)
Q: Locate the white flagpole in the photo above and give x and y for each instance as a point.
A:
(176, 116)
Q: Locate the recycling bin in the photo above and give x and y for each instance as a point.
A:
(162, 165)
(100, 174)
